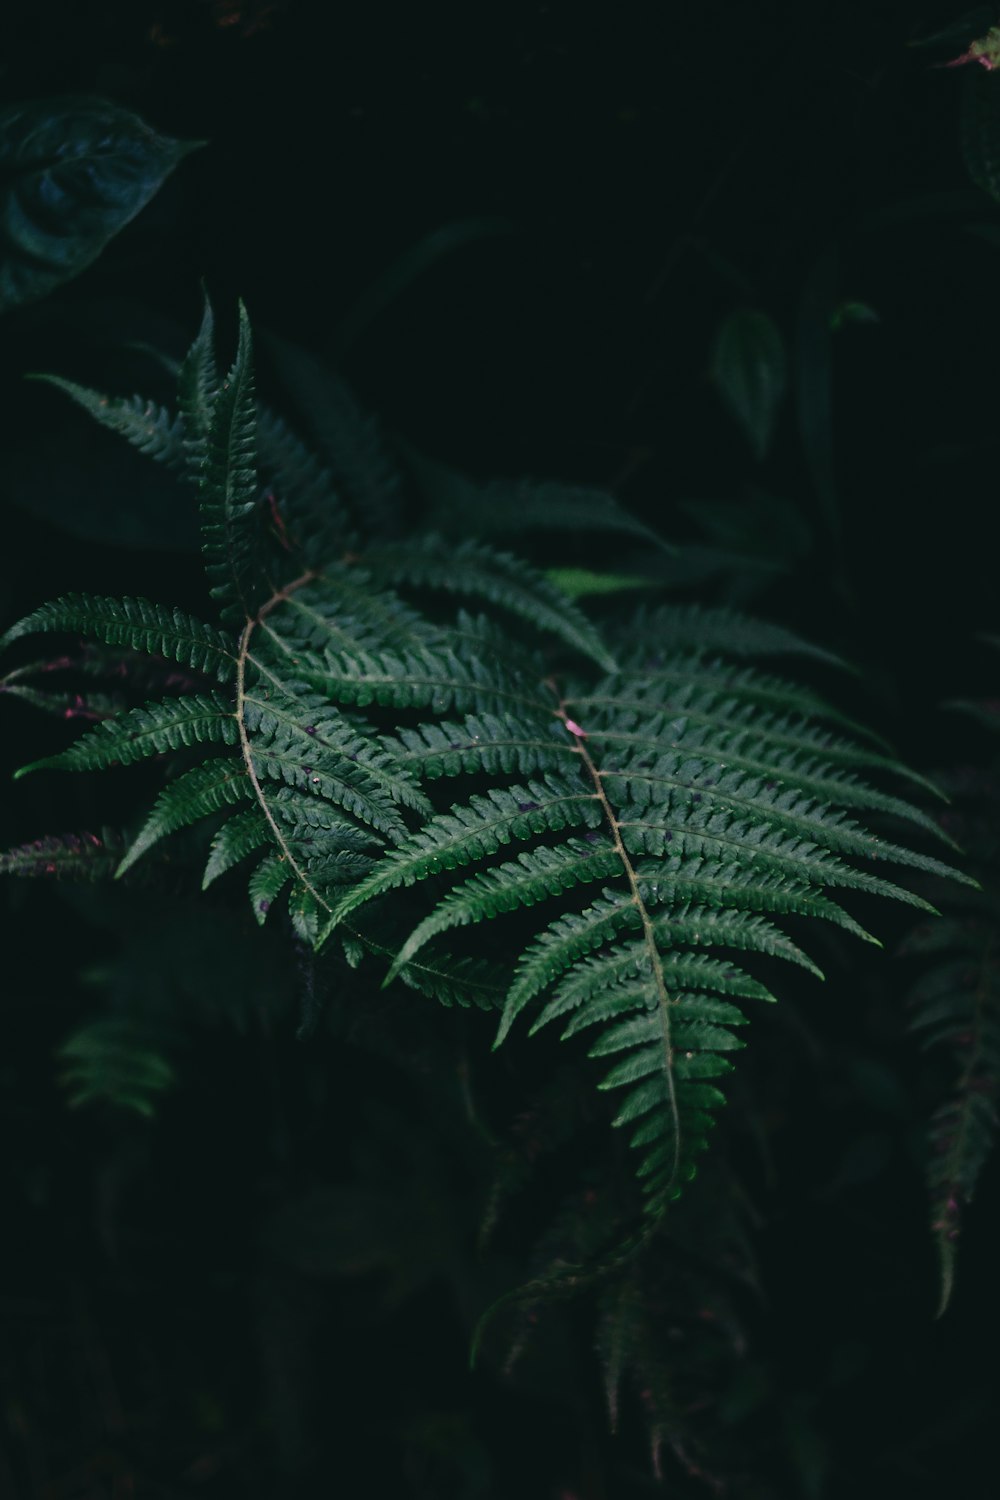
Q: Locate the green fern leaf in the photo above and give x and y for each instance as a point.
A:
(322, 763)
(710, 902)
(197, 390)
(499, 745)
(241, 836)
(470, 567)
(137, 624)
(533, 876)
(692, 627)
(295, 716)
(175, 724)
(441, 680)
(74, 856)
(312, 511)
(204, 790)
(344, 613)
(152, 429)
(228, 490)
(267, 883)
(116, 1060)
(349, 439)
(475, 831)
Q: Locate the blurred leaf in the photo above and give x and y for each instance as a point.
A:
(576, 582)
(460, 506)
(73, 172)
(409, 267)
(852, 312)
(116, 1060)
(749, 369)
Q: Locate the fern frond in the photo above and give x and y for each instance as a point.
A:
(150, 428)
(700, 850)
(344, 613)
(477, 830)
(499, 745)
(531, 877)
(267, 883)
(629, 712)
(197, 390)
(174, 724)
(774, 852)
(297, 716)
(74, 856)
(239, 837)
(116, 1060)
(349, 439)
(361, 781)
(472, 568)
(678, 781)
(227, 489)
(957, 1005)
(700, 671)
(136, 623)
(438, 679)
(956, 1008)
(692, 627)
(204, 790)
(710, 902)
(460, 505)
(308, 500)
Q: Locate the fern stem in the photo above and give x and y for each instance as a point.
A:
(648, 934)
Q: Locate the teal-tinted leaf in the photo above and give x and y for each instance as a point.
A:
(73, 172)
(749, 369)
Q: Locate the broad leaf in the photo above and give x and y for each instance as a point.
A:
(73, 172)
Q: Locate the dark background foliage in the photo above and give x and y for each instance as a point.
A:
(517, 231)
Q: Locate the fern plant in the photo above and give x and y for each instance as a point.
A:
(956, 1001)
(635, 802)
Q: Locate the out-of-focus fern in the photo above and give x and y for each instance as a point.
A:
(956, 1001)
(116, 1060)
(638, 803)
